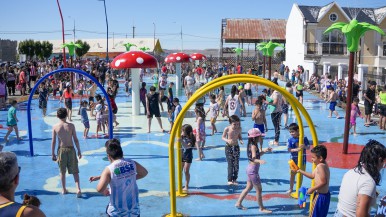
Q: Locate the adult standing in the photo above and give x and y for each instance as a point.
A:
(11, 82)
(68, 94)
(23, 81)
(234, 103)
(153, 101)
(122, 175)
(355, 89)
(382, 108)
(189, 85)
(276, 111)
(369, 102)
(358, 188)
(9, 180)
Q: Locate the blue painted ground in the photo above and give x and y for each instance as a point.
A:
(210, 194)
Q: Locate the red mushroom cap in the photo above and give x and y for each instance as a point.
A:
(134, 59)
(198, 56)
(178, 58)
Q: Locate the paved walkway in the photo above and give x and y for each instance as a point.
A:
(209, 193)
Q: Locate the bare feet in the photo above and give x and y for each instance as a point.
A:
(79, 194)
(19, 138)
(264, 210)
(198, 159)
(230, 183)
(241, 207)
(185, 189)
(64, 191)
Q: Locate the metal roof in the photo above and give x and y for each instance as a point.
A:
(254, 30)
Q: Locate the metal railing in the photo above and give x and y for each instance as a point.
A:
(312, 48)
(334, 48)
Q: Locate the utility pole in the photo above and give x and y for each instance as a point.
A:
(182, 42)
(74, 30)
(133, 31)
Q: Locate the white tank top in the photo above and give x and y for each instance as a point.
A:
(234, 105)
(123, 189)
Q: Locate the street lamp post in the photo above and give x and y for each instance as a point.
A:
(154, 39)
(64, 49)
(107, 34)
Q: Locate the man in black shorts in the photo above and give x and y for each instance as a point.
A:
(153, 101)
(369, 102)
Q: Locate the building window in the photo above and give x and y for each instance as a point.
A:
(384, 50)
(333, 17)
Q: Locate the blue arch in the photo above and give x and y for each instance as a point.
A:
(30, 98)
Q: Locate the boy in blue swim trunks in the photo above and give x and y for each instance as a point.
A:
(260, 122)
(321, 174)
(332, 99)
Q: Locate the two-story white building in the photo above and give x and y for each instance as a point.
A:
(307, 45)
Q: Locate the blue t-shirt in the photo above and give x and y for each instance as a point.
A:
(11, 121)
(294, 143)
(83, 114)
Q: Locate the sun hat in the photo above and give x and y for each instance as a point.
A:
(254, 132)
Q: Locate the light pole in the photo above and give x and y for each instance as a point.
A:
(182, 41)
(64, 49)
(107, 34)
(154, 39)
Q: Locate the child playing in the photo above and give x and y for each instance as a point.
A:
(242, 96)
(321, 175)
(100, 110)
(221, 99)
(200, 131)
(31, 200)
(293, 148)
(355, 112)
(84, 118)
(231, 136)
(253, 167)
(258, 116)
(299, 90)
(43, 98)
(176, 110)
(80, 89)
(142, 95)
(187, 141)
(214, 109)
(333, 97)
(12, 121)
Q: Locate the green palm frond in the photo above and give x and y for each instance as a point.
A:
(144, 49)
(128, 46)
(353, 31)
(268, 47)
(71, 47)
(238, 51)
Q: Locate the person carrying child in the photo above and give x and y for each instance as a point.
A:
(260, 122)
(214, 110)
(188, 141)
(253, 167)
(321, 175)
(294, 148)
(231, 136)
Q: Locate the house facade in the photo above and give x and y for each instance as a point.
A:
(307, 45)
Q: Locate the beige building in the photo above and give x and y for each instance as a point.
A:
(308, 46)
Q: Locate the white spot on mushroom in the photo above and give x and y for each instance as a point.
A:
(194, 57)
(174, 53)
(139, 60)
(132, 54)
(178, 58)
(171, 58)
(166, 59)
(118, 62)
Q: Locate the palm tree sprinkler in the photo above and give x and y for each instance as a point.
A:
(128, 46)
(144, 49)
(353, 31)
(71, 50)
(267, 48)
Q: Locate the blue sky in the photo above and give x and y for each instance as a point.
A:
(200, 19)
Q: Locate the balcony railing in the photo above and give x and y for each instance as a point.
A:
(334, 48)
(312, 48)
(384, 50)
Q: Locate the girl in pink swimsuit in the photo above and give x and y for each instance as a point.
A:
(355, 112)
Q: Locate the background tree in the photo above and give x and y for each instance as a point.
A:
(47, 49)
(38, 50)
(85, 47)
(27, 47)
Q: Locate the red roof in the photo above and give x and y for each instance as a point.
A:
(254, 30)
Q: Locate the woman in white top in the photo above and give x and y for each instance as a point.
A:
(357, 191)
(233, 102)
(189, 85)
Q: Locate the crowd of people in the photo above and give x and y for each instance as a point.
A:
(221, 105)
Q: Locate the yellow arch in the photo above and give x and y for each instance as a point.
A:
(215, 84)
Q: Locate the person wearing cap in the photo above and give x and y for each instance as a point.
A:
(68, 94)
(253, 180)
(369, 102)
(9, 180)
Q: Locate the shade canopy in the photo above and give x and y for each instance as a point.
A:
(134, 59)
(198, 56)
(178, 58)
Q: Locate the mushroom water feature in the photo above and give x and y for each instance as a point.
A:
(197, 57)
(134, 60)
(178, 58)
